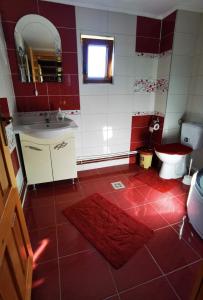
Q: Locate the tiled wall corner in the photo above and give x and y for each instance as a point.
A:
(185, 38)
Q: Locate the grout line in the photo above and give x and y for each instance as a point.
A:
(46, 261)
(187, 243)
(149, 252)
(169, 225)
(162, 272)
(173, 289)
(185, 266)
(141, 284)
(76, 253)
(57, 249)
(110, 297)
(114, 282)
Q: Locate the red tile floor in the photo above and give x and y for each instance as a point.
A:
(67, 266)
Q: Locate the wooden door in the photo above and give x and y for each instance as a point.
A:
(15, 249)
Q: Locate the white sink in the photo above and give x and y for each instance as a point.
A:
(47, 130)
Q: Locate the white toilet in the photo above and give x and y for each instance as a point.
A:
(173, 156)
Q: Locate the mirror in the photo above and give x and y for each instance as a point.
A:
(38, 46)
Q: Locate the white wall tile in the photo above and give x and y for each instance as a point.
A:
(146, 67)
(179, 84)
(94, 151)
(123, 147)
(122, 85)
(123, 66)
(187, 22)
(143, 102)
(176, 103)
(200, 65)
(119, 120)
(122, 23)
(199, 44)
(95, 138)
(172, 120)
(184, 44)
(92, 19)
(171, 135)
(181, 65)
(198, 85)
(93, 122)
(94, 104)
(119, 136)
(164, 64)
(120, 103)
(160, 102)
(125, 45)
(195, 105)
(92, 89)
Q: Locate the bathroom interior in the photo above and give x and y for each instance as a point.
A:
(101, 113)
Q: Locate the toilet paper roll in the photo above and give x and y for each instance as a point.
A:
(156, 127)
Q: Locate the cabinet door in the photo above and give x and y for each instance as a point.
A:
(37, 162)
(63, 159)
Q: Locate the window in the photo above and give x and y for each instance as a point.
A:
(97, 59)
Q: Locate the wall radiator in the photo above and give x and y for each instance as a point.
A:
(105, 157)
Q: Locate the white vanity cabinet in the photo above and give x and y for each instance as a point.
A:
(63, 153)
(48, 160)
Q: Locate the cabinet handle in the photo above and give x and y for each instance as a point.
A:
(33, 148)
(61, 145)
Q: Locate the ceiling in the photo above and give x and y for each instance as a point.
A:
(148, 8)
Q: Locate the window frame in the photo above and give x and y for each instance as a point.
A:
(109, 72)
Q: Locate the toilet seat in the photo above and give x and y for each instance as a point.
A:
(173, 149)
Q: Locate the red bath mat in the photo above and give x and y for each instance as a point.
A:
(114, 233)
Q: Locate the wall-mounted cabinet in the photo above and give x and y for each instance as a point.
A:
(49, 159)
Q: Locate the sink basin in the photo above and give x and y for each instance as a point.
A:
(47, 130)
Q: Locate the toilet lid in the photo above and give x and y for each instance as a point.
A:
(175, 148)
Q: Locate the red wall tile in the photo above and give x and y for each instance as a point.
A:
(70, 86)
(148, 27)
(168, 24)
(68, 39)
(147, 45)
(8, 29)
(60, 14)
(135, 145)
(167, 42)
(14, 158)
(27, 89)
(167, 32)
(13, 10)
(4, 109)
(141, 121)
(63, 17)
(155, 36)
(32, 103)
(140, 135)
(69, 63)
(64, 102)
(13, 61)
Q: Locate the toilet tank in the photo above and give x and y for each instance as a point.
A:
(192, 135)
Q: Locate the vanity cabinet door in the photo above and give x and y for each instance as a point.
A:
(64, 159)
(37, 162)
